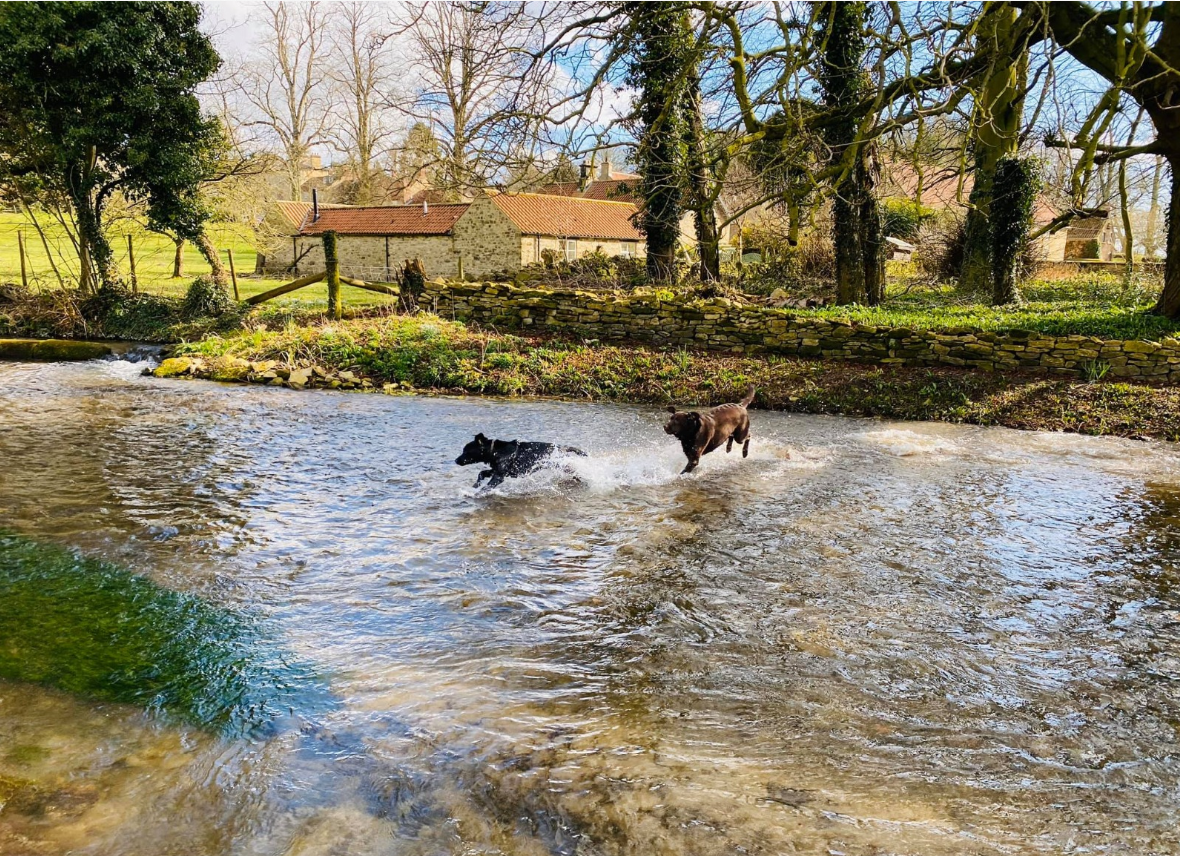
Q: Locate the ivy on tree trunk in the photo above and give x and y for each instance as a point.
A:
(857, 234)
(1017, 184)
(995, 133)
(662, 37)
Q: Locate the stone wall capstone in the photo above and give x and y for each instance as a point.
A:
(722, 325)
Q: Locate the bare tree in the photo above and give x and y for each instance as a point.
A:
(473, 82)
(287, 88)
(1151, 232)
(364, 74)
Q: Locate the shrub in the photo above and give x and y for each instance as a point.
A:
(589, 272)
(941, 244)
(206, 299)
(808, 267)
(903, 218)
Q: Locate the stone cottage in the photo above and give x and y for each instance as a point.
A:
(495, 232)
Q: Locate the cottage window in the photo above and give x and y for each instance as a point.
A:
(629, 249)
(571, 249)
(537, 248)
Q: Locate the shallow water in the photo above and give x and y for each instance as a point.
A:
(867, 638)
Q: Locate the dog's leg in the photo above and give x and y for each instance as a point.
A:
(497, 480)
(691, 465)
(729, 444)
(483, 475)
(746, 448)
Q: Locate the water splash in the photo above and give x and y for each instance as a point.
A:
(904, 443)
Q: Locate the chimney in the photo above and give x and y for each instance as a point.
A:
(425, 207)
(605, 171)
(315, 205)
(584, 175)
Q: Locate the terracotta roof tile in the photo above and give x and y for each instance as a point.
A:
(569, 216)
(619, 188)
(386, 220)
(293, 212)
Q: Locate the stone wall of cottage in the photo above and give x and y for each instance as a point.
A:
(1089, 267)
(374, 258)
(488, 240)
(722, 325)
(533, 246)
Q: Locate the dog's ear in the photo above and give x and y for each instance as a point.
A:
(671, 408)
(481, 439)
(696, 420)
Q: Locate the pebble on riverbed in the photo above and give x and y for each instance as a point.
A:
(235, 369)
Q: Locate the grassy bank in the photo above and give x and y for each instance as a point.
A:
(90, 628)
(426, 353)
(1094, 305)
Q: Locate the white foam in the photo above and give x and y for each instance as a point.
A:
(652, 465)
(904, 443)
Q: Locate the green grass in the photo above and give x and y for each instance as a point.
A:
(91, 628)
(153, 260)
(1095, 305)
(428, 353)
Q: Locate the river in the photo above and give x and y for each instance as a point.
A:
(866, 638)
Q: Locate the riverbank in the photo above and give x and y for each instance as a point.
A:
(396, 354)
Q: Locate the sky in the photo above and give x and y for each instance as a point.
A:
(227, 22)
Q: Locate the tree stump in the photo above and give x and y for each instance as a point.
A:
(413, 283)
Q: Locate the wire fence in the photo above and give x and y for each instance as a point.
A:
(371, 273)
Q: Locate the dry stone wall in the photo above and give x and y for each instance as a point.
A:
(722, 325)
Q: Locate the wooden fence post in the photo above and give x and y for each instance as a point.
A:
(24, 272)
(131, 264)
(332, 272)
(233, 274)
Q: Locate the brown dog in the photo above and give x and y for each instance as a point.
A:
(701, 433)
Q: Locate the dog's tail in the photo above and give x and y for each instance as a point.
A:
(748, 400)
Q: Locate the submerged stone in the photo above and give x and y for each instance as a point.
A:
(52, 350)
(174, 367)
(88, 627)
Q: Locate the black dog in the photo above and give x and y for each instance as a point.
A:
(508, 458)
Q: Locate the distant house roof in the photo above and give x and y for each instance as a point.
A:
(569, 216)
(384, 220)
(293, 212)
(1088, 229)
(620, 187)
(942, 189)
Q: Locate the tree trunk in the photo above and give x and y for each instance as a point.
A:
(872, 238)
(856, 224)
(97, 259)
(413, 283)
(178, 259)
(995, 135)
(1004, 289)
(1128, 234)
(847, 237)
(1150, 244)
(332, 274)
(1169, 301)
(216, 268)
(662, 35)
(700, 185)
